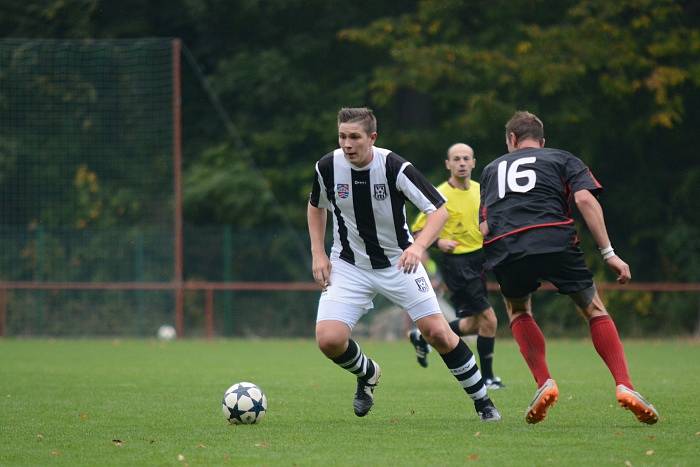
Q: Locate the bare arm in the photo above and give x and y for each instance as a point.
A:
(484, 229)
(592, 214)
(321, 265)
(412, 255)
(444, 244)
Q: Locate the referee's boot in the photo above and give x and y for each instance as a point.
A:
(421, 346)
(364, 396)
(494, 383)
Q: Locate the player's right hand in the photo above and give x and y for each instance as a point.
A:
(321, 268)
(620, 268)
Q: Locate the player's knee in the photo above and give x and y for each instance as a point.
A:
(437, 336)
(584, 299)
(589, 303)
(518, 305)
(488, 325)
(330, 343)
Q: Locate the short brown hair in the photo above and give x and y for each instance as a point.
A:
(524, 124)
(361, 115)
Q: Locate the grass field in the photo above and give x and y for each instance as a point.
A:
(143, 402)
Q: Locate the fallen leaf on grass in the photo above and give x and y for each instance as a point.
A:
(56, 452)
(650, 452)
(473, 457)
(84, 416)
(118, 443)
(39, 437)
(477, 434)
(200, 445)
(628, 463)
(180, 457)
(262, 445)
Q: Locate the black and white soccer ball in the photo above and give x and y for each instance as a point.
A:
(244, 403)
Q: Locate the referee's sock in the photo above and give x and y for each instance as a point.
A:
(484, 347)
(454, 325)
(530, 339)
(462, 364)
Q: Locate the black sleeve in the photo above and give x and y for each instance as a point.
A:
(579, 177)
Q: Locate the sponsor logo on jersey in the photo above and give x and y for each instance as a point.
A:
(343, 190)
(422, 284)
(379, 191)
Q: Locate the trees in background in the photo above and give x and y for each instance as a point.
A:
(617, 83)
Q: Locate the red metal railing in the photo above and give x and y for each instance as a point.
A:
(208, 288)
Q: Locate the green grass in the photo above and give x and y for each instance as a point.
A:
(142, 402)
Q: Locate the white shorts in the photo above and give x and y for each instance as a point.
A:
(351, 290)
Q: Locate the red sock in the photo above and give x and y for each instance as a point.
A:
(529, 337)
(607, 342)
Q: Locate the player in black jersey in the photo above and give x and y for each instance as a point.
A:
(365, 189)
(529, 235)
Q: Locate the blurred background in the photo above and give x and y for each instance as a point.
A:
(156, 157)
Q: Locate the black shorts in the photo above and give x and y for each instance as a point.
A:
(566, 269)
(465, 279)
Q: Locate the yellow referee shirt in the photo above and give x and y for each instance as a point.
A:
(463, 223)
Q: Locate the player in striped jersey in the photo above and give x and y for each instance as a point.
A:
(529, 236)
(463, 263)
(365, 188)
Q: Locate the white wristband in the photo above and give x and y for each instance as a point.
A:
(607, 252)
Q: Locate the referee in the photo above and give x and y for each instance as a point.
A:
(463, 263)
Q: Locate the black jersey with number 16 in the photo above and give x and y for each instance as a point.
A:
(526, 201)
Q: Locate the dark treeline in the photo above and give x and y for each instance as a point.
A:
(616, 83)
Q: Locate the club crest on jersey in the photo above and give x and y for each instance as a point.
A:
(422, 284)
(379, 191)
(343, 190)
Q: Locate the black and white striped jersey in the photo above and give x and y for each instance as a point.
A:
(368, 205)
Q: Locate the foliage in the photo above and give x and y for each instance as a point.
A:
(616, 83)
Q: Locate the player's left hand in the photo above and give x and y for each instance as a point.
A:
(411, 258)
(621, 268)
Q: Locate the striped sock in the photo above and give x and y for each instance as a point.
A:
(355, 361)
(607, 343)
(462, 364)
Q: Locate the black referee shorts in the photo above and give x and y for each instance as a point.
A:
(465, 278)
(566, 269)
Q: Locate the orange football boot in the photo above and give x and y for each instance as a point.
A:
(634, 402)
(545, 397)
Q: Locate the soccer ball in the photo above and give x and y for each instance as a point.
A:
(244, 403)
(166, 332)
